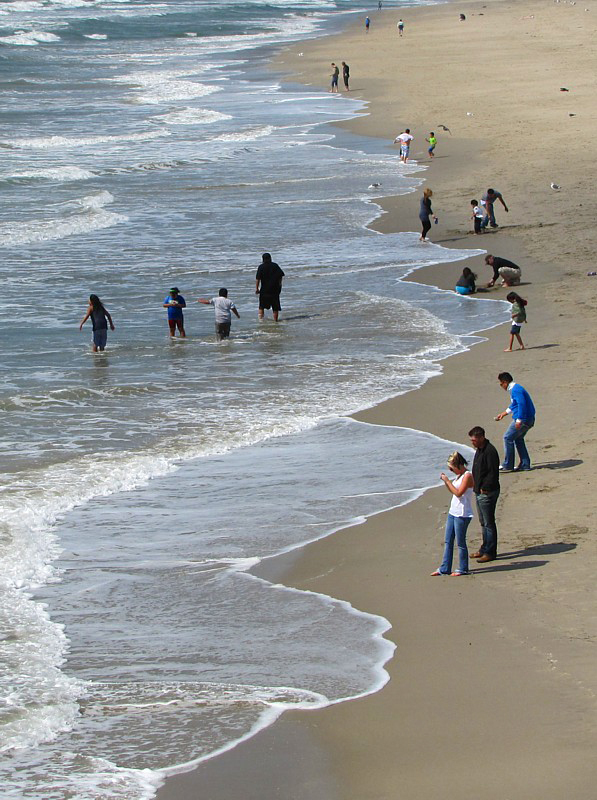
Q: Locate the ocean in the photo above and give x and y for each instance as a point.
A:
(147, 145)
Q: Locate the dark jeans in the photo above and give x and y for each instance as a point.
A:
(486, 504)
(477, 221)
(426, 222)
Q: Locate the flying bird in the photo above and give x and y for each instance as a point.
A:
(375, 186)
(555, 185)
(445, 128)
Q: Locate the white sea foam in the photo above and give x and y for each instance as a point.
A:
(91, 217)
(96, 36)
(50, 142)
(29, 38)
(164, 86)
(247, 135)
(62, 174)
(192, 116)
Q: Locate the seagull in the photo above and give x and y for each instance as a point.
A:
(563, 89)
(571, 115)
(301, 54)
(469, 114)
(445, 128)
(375, 186)
(555, 185)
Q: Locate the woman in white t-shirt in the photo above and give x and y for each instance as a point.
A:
(459, 515)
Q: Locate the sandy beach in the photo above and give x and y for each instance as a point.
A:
(492, 691)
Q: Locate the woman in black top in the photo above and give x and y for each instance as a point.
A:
(99, 321)
(425, 211)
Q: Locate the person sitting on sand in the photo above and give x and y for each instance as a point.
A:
(99, 322)
(519, 316)
(466, 282)
(508, 271)
(223, 308)
(459, 515)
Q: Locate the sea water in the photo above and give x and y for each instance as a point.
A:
(146, 145)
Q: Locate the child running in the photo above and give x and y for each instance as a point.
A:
(519, 315)
(432, 142)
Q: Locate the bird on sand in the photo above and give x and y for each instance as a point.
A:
(554, 185)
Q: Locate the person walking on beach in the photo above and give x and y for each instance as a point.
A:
(400, 27)
(432, 142)
(466, 282)
(425, 212)
(224, 308)
(523, 418)
(486, 479)
(477, 216)
(519, 316)
(367, 23)
(508, 271)
(268, 285)
(175, 303)
(405, 139)
(346, 75)
(335, 74)
(100, 319)
(488, 199)
(459, 516)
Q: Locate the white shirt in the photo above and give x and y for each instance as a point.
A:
(405, 138)
(461, 506)
(223, 308)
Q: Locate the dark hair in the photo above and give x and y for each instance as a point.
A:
(505, 376)
(96, 303)
(477, 431)
(487, 257)
(223, 292)
(407, 130)
(491, 191)
(512, 297)
(266, 257)
(474, 202)
(468, 271)
(431, 133)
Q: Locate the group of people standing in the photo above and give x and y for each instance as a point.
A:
(336, 75)
(482, 482)
(268, 285)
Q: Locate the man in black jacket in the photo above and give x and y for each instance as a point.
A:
(268, 285)
(486, 477)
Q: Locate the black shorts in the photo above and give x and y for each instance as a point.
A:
(223, 330)
(269, 301)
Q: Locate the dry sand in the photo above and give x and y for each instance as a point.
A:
(493, 686)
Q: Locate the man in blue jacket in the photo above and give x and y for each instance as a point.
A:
(523, 418)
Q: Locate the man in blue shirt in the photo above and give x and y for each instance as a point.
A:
(523, 418)
(175, 303)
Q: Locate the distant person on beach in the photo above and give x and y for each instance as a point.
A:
(425, 212)
(367, 23)
(488, 199)
(175, 303)
(477, 216)
(268, 285)
(486, 478)
(523, 418)
(379, 5)
(346, 75)
(335, 74)
(459, 516)
(519, 317)
(400, 27)
(100, 319)
(508, 271)
(224, 308)
(466, 283)
(432, 142)
(405, 139)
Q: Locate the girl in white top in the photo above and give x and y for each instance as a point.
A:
(459, 515)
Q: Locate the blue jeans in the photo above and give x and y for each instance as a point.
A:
(455, 528)
(489, 218)
(514, 437)
(486, 504)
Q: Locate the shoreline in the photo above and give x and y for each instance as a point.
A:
(527, 642)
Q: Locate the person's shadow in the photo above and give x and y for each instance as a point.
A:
(565, 463)
(550, 549)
